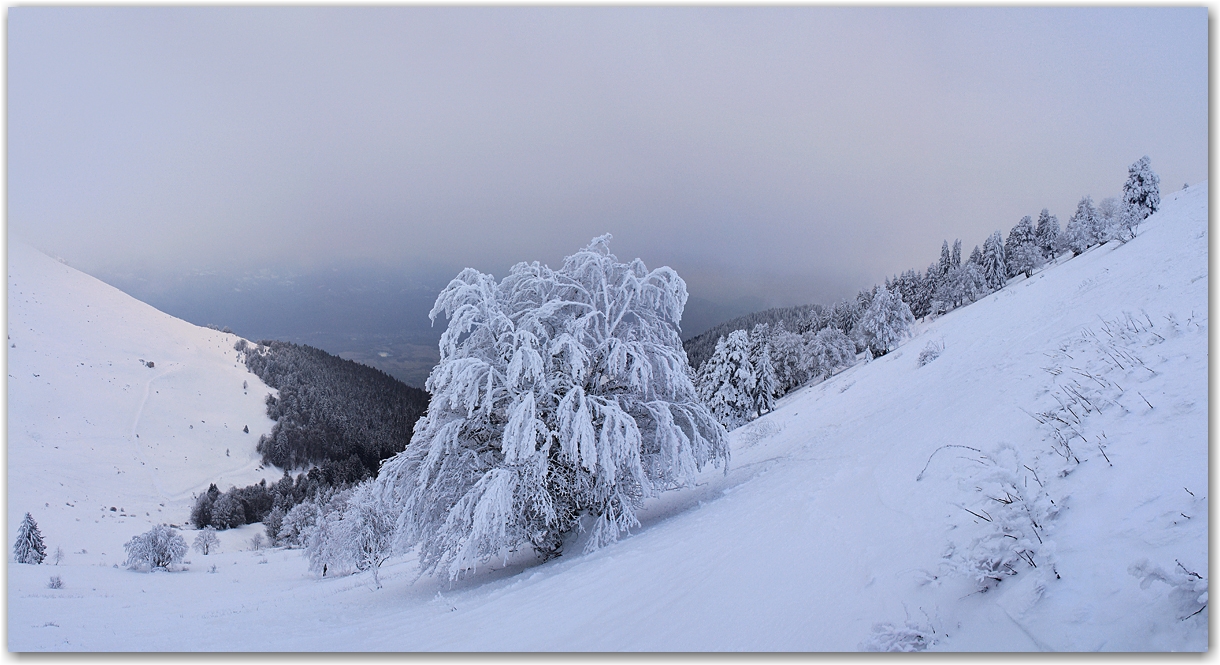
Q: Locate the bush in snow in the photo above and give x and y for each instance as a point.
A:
(256, 542)
(1188, 589)
(55, 583)
(930, 352)
(206, 541)
(28, 547)
(911, 636)
(1012, 513)
(559, 393)
(157, 548)
(1142, 191)
(886, 321)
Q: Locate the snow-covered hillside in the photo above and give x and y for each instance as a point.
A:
(112, 403)
(1061, 435)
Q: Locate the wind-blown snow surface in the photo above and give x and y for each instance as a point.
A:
(91, 425)
(843, 511)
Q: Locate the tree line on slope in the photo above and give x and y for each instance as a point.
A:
(753, 362)
(337, 416)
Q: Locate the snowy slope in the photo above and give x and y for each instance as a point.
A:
(843, 510)
(91, 425)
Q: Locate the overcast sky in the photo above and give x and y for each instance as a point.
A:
(790, 154)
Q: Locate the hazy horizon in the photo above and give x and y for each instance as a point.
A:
(772, 156)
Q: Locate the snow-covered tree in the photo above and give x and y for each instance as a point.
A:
(227, 511)
(728, 382)
(1142, 192)
(1083, 227)
(790, 355)
(946, 260)
(1046, 234)
(886, 321)
(1018, 259)
(559, 393)
(765, 386)
(976, 256)
(29, 547)
(273, 522)
(206, 541)
(830, 350)
(995, 265)
(357, 535)
(955, 261)
(156, 548)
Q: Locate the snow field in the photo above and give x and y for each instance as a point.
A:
(91, 425)
(843, 522)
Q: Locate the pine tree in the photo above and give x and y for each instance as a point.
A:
(886, 322)
(946, 261)
(976, 257)
(1046, 235)
(1081, 231)
(29, 547)
(995, 266)
(956, 260)
(1017, 258)
(1142, 192)
(559, 393)
(765, 385)
(730, 383)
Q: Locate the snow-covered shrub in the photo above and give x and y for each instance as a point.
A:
(156, 548)
(1188, 589)
(28, 548)
(559, 393)
(886, 321)
(930, 352)
(206, 541)
(256, 542)
(909, 637)
(55, 583)
(58, 555)
(1012, 511)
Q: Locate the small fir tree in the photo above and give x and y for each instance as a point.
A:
(29, 547)
(1046, 235)
(1142, 192)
